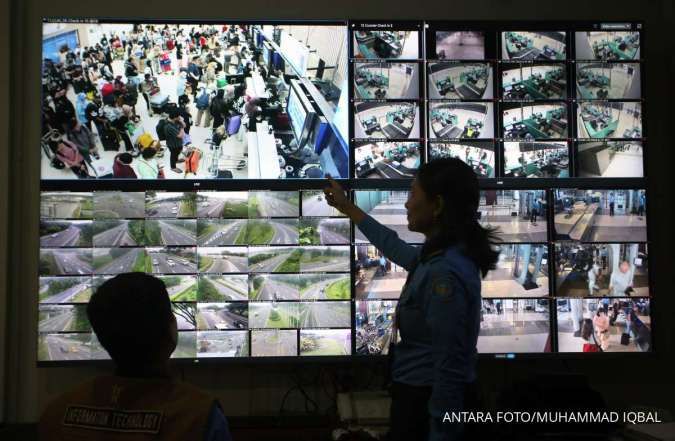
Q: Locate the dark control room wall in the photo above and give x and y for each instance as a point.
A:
(258, 389)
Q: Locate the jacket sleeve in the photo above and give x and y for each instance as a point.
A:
(386, 240)
(448, 318)
(217, 427)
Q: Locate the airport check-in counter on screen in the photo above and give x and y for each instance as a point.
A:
(256, 263)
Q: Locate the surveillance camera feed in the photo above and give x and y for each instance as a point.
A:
(611, 159)
(191, 101)
(608, 81)
(141, 118)
(601, 269)
(386, 160)
(387, 120)
(609, 119)
(522, 271)
(514, 325)
(461, 81)
(373, 321)
(546, 159)
(461, 120)
(460, 45)
(388, 208)
(386, 44)
(604, 324)
(519, 45)
(612, 45)
(517, 215)
(480, 155)
(532, 82)
(535, 121)
(386, 81)
(600, 215)
(376, 276)
(246, 274)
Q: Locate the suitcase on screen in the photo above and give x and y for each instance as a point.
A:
(625, 339)
(233, 125)
(109, 139)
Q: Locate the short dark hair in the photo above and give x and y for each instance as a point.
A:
(173, 114)
(148, 152)
(130, 315)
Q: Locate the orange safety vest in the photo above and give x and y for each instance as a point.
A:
(112, 408)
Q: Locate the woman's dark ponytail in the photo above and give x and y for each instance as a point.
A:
(481, 247)
(456, 183)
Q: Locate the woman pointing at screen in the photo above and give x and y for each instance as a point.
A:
(437, 319)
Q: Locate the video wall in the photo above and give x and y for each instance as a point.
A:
(197, 152)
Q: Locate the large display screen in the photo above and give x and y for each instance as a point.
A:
(183, 150)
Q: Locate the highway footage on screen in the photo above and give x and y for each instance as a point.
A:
(109, 90)
(256, 273)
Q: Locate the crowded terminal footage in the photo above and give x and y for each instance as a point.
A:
(604, 324)
(195, 101)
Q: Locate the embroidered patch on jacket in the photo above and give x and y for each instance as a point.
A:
(442, 287)
(114, 420)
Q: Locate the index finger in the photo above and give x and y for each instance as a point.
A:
(332, 184)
